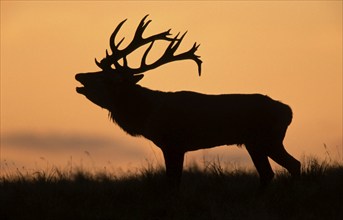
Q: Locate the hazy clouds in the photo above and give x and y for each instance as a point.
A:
(65, 142)
(52, 140)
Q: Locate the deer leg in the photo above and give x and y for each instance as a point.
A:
(283, 158)
(174, 164)
(261, 163)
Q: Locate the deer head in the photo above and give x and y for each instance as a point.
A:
(115, 72)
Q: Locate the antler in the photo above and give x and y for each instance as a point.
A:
(138, 41)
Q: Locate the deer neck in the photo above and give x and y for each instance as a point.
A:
(132, 108)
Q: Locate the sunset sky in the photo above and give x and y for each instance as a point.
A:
(288, 50)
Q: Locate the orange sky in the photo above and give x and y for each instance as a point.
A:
(291, 51)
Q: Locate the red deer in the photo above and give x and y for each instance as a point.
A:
(178, 122)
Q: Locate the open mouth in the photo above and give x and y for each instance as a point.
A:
(80, 89)
(89, 82)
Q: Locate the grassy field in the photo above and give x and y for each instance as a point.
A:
(211, 193)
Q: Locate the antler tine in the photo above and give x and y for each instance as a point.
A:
(113, 47)
(141, 28)
(143, 62)
(173, 46)
(191, 55)
(197, 58)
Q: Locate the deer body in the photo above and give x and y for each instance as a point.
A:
(195, 121)
(178, 122)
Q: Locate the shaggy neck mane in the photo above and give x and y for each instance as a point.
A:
(132, 108)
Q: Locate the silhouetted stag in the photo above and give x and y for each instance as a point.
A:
(183, 121)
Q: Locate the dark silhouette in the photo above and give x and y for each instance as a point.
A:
(183, 121)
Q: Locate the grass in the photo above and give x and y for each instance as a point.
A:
(214, 192)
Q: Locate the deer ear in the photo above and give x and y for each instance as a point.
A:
(137, 78)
